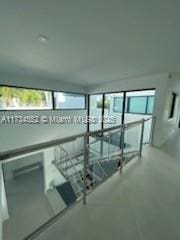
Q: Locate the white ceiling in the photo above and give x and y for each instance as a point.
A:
(90, 41)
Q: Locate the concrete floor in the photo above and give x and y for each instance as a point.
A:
(28, 205)
(142, 204)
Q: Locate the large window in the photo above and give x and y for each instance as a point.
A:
(123, 107)
(18, 98)
(14, 98)
(69, 101)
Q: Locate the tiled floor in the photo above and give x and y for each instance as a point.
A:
(142, 204)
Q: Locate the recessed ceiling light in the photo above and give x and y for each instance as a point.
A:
(42, 38)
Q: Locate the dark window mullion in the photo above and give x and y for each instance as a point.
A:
(147, 103)
(102, 113)
(53, 100)
(128, 104)
(102, 122)
(123, 107)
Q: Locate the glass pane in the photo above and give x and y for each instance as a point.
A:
(12, 98)
(147, 130)
(95, 111)
(69, 101)
(113, 109)
(150, 105)
(104, 152)
(132, 141)
(39, 186)
(118, 104)
(137, 104)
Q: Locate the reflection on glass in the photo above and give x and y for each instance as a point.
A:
(69, 100)
(137, 104)
(13, 98)
(150, 105)
(95, 111)
(113, 109)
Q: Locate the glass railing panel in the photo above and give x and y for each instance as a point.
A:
(104, 155)
(147, 131)
(132, 138)
(41, 185)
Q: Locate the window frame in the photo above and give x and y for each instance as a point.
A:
(52, 99)
(146, 107)
(114, 105)
(172, 105)
(26, 109)
(124, 92)
(69, 109)
(147, 103)
(127, 107)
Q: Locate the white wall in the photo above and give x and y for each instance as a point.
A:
(11, 166)
(35, 81)
(0, 223)
(169, 126)
(19, 135)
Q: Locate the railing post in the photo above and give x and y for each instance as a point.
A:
(152, 130)
(85, 168)
(122, 147)
(109, 142)
(141, 138)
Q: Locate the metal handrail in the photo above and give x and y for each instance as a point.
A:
(37, 147)
(66, 155)
(52, 143)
